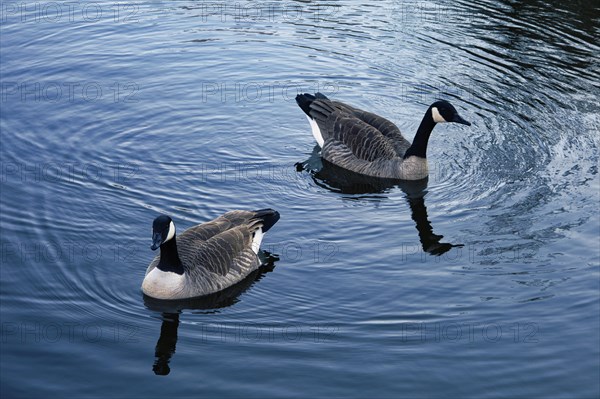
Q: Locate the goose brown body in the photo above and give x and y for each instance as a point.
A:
(208, 257)
(369, 144)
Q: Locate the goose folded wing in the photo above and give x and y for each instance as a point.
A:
(239, 218)
(229, 250)
(363, 140)
(207, 230)
(340, 154)
(386, 128)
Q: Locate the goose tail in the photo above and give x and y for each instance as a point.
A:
(267, 217)
(262, 221)
(317, 109)
(305, 100)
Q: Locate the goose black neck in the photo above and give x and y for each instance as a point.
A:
(419, 145)
(169, 257)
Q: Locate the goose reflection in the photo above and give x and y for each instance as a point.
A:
(167, 342)
(340, 180)
(165, 347)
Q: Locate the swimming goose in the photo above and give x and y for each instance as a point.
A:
(205, 258)
(370, 144)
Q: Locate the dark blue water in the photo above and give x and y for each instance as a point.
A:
(113, 113)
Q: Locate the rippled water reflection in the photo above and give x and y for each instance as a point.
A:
(112, 113)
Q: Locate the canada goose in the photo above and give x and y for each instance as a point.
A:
(369, 144)
(205, 258)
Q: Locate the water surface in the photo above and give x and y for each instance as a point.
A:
(112, 114)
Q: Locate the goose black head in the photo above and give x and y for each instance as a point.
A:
(163, 229)
(442, 111)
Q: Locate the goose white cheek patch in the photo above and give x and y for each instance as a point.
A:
(171, 231)
(437, 117)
